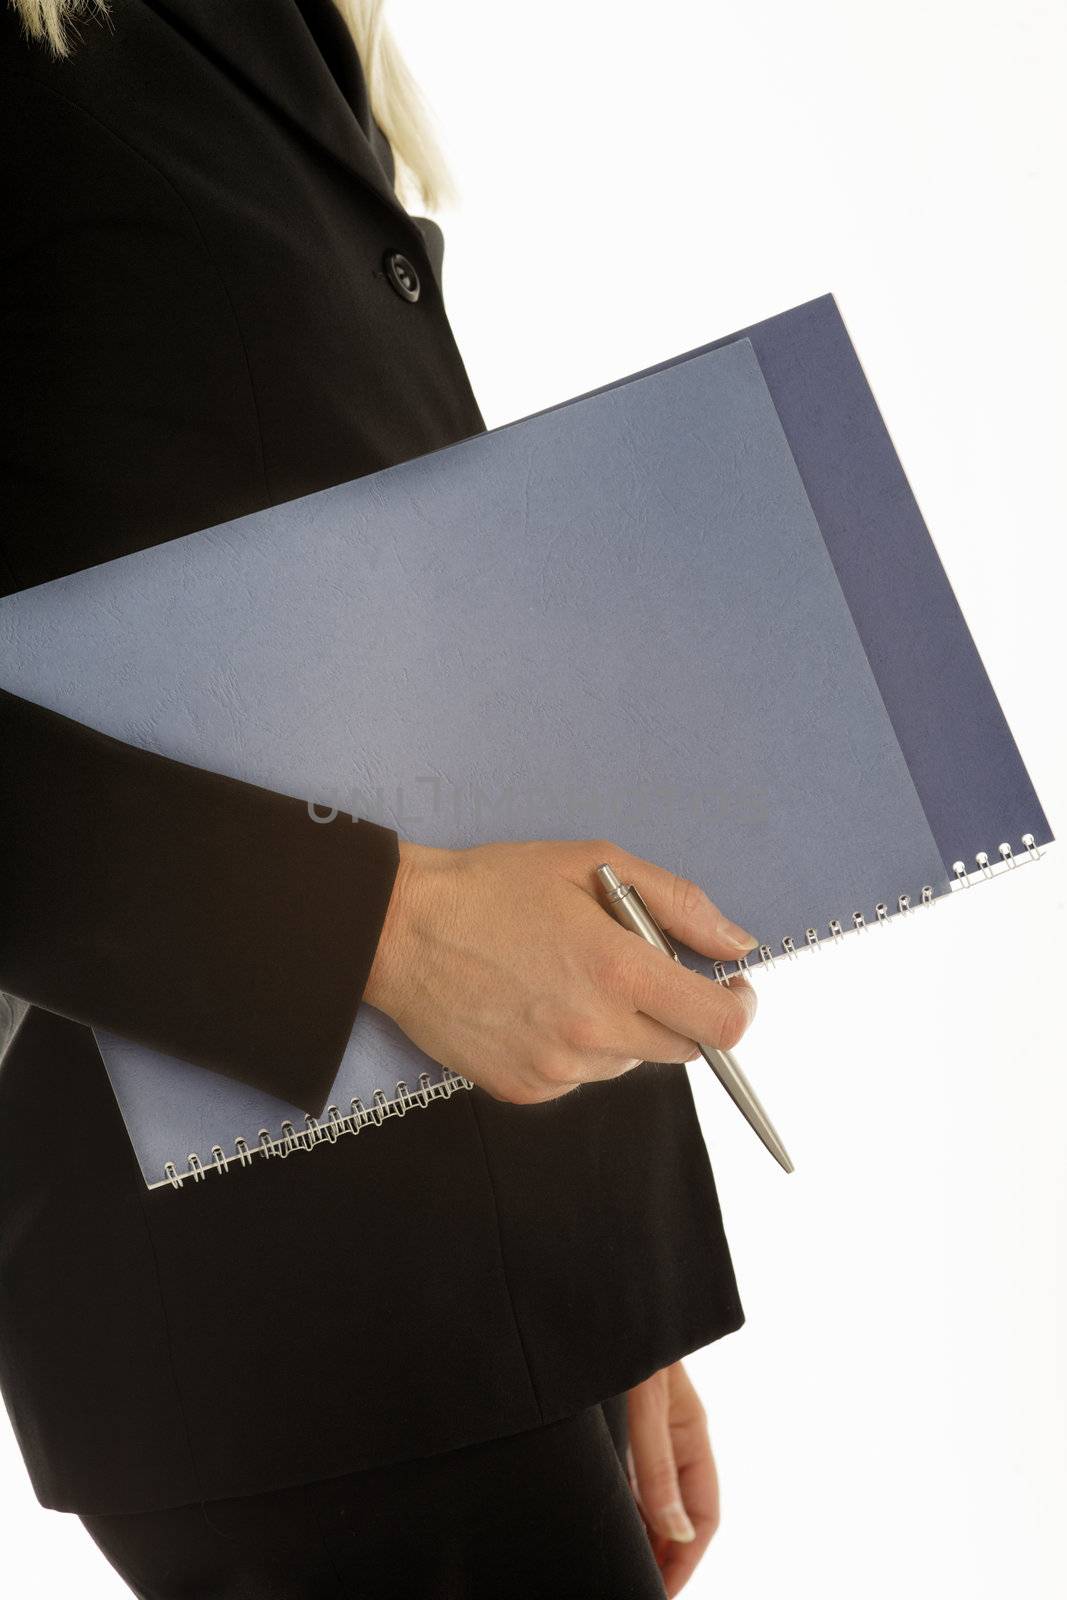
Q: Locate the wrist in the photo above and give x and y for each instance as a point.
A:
(389, 961)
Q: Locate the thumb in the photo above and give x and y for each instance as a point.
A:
(652, 1455)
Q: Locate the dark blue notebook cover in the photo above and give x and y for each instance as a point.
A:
(963, 758)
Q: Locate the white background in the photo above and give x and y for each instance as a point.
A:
(637, 180)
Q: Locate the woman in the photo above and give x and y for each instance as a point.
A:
(410, 1363)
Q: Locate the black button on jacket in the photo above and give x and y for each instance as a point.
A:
(197, 322)
(402, 274)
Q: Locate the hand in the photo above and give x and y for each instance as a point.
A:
(672, 1472)
(503, 963)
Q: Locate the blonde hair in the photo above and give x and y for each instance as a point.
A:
(422, 176)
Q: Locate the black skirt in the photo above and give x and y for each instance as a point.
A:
(545, 1512)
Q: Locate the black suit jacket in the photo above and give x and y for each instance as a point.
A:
(197, 322)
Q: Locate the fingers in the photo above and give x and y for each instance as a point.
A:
(697, 1478)
(681, 907)
(649, 1040)
(684, 1001)
(607, 1045)
(569, 1068)
(652, 1454)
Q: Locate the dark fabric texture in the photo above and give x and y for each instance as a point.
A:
(547, 1512)
(208, 917)
(195, 322)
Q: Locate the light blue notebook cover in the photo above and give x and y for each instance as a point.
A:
(489, 642)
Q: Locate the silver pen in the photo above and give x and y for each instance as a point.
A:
(627, 907)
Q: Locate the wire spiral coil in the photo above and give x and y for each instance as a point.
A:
(291, 1139)
(765, 955)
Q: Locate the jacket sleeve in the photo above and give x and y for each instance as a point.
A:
(204, 917)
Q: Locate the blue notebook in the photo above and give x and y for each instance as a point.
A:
(447, 648)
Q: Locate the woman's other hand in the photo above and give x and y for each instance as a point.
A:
(503, 963)
(672, 1472)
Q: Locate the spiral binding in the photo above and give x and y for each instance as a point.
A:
(962, 879)
(291, 1139)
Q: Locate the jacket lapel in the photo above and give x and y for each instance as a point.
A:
(266, 48)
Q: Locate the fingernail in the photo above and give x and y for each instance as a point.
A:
(676, 1523)
(735, 935)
